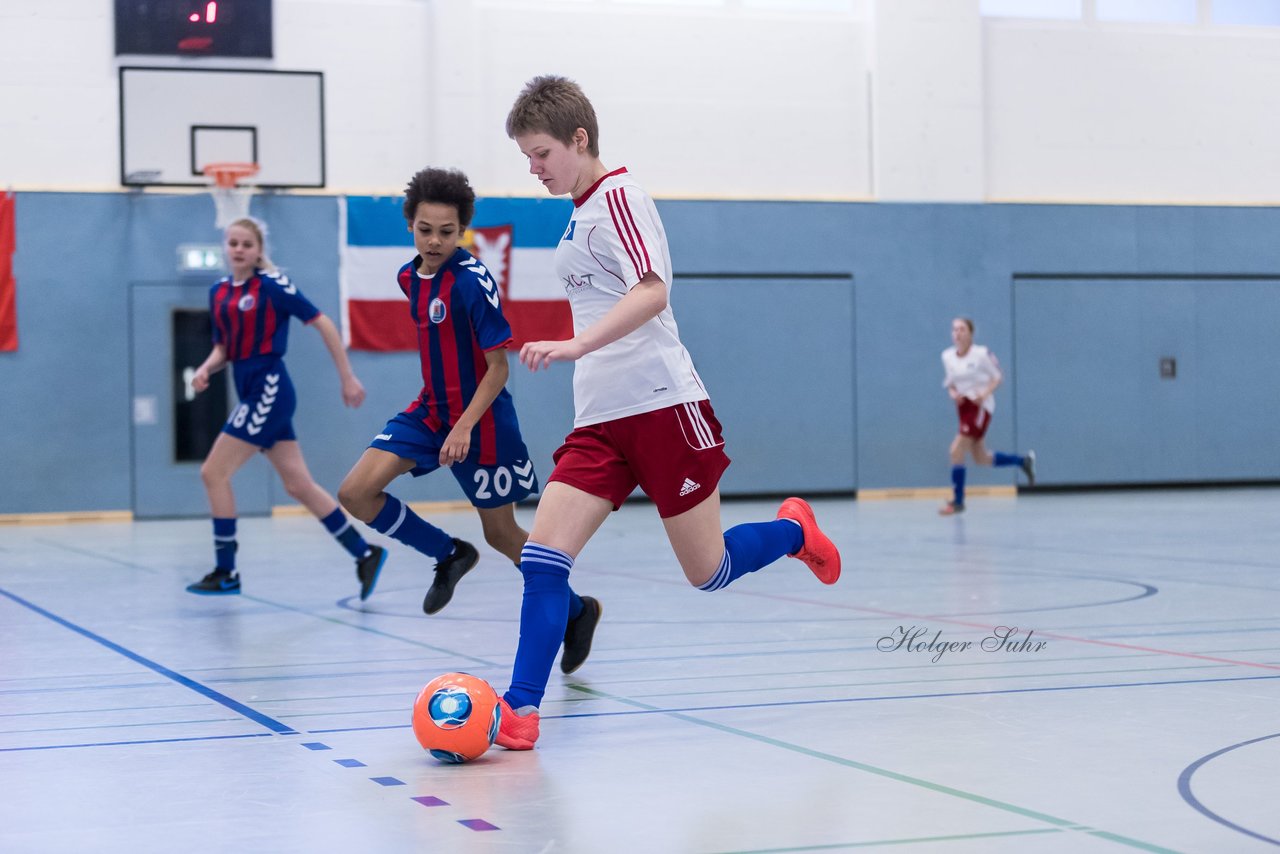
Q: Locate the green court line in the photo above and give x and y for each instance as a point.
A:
(453, 653)
(839, 846)
(1060, 823)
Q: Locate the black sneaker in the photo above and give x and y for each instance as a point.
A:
(951, 508)
(368, 568)
(448, 573)
(578, 635)
(1029, 467)
(220, 582)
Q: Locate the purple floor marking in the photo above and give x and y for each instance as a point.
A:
(387, 781)
(430, 801)
(477, 824)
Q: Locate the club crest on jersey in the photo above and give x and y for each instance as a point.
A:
(436, 311)
(246, 302)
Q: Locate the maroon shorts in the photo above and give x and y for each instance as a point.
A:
(676, 455)
(974, 420)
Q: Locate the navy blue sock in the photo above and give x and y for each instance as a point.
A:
(957, 482)
(575, 603)
(752, 546)
(344, 532)
(224, 544)
(544, 613)
(1003, 459)
(397, 521)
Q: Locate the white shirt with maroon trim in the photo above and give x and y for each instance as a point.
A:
(971, 373)
(614, 238)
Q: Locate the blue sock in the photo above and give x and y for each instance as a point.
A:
(544, 613)
(752, 546)
(344, 532)
(1003, 459)
(224, 544)
(575, 603)
(957, 482)
(397, 521)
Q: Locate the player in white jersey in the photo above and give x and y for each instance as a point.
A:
(643, 417)
(971, 376)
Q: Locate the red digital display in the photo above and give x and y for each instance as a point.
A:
(194, 27)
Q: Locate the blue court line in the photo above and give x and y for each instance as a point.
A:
(97, 556)
(130, 743)
(955, 837)
(936, 696)
(654, 710)
(115, 726)
(357, 729)
(99, 711)
(452, 653)
(1239, 631)
(1184, 789)
(234, 705)
(1218, 621)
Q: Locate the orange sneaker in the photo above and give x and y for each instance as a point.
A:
(818, 552)
(516, 732)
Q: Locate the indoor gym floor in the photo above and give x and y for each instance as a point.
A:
(1142, 713)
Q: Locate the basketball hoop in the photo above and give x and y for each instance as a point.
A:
(230, 197)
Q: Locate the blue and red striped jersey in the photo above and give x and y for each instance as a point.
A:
(252, 318)
(459, 318)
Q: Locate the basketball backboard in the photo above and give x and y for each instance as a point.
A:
(175, 121)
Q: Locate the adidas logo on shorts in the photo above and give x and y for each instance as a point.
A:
(689, 486)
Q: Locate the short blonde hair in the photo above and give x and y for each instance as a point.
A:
(556, 106)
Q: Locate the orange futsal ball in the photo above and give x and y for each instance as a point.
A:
(456, 717)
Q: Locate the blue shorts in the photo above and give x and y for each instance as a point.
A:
(511, 480)
(267, 403)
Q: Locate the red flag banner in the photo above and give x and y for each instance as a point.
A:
(514, 239)
(8, 284)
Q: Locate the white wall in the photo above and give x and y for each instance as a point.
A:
(928, 101)
(701, 103)
(1117, 113)
(904, 100)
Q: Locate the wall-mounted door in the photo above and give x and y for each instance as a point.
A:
(173, 427)
(1148, 379)
(786, 429)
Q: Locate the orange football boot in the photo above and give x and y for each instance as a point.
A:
(818, 552)
(516, 732)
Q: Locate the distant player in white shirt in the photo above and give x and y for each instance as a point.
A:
(972, 375)
(643, 417)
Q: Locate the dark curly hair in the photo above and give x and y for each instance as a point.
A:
(441, 187)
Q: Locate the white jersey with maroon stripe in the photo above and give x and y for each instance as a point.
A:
(971, 373)
(614, 238)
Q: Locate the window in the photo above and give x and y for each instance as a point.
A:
(1159, 11)
(1257, 12)
(1065, 10)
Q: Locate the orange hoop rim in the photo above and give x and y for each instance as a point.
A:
(227, 175)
